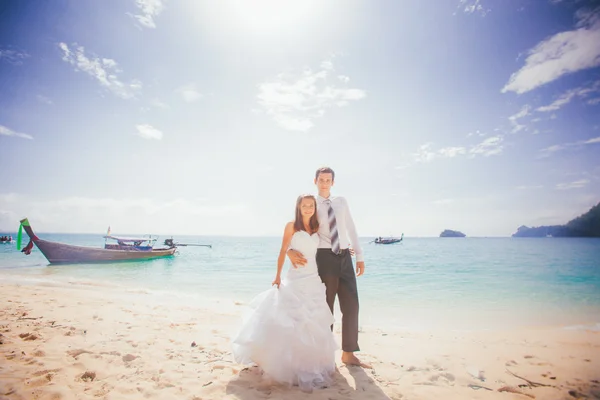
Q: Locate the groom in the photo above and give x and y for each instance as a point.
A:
(334, 261)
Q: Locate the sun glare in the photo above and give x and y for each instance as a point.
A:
(264, 16)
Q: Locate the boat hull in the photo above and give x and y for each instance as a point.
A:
(60, 253)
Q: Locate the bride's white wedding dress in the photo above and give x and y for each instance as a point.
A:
(287, 333)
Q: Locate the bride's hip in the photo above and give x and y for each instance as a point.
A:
(297, 274)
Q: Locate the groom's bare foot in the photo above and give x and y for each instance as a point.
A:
(349, 358)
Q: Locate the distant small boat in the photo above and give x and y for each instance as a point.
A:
(388, 240)
(126, 249)
(6, 239)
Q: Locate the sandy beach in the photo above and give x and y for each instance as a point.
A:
(84, 343)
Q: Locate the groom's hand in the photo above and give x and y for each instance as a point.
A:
(360, 268)
(296, 258)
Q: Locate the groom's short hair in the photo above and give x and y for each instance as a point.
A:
(325, 170)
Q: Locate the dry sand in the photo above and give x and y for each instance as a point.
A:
(88, 343)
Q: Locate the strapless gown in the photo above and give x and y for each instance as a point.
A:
(287, 330)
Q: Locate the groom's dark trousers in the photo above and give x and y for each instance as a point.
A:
(337, 273)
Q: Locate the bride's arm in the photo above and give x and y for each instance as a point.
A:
(285, 244)
(296, 257)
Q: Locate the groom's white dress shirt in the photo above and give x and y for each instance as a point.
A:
(345, 225)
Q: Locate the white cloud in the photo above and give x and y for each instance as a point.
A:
(476, 133)
(563, 53)
(12, 56)
(128, 215)
(402, 166)
(344, 78)
(293, 124)
(159, 104)
(548, 151)
(594, 101)
(451, 152)
(526, 187)
(150, 9)
(104, 70)
(44, 99)
(148, 132)
(592, 141)
(522, 113)
(442, 201)
(489, 147)
(573, 185)
(569, 95)
(189, 92)
(424, 154)
(473, 6)
(327, 65)
(514, 119)
(295, 101)
(9, 132)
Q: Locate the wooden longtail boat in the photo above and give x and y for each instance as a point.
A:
(126, 249)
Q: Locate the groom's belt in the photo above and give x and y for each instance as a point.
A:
(328, 249)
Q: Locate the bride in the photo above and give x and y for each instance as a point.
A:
(288, 331)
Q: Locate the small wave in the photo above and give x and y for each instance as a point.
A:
(594, 327)
(81, 282)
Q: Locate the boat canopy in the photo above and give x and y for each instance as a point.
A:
(130, 239)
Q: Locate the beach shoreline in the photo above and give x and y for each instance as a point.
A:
(377, 313)
(74, 343)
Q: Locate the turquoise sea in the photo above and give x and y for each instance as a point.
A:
(421, 283)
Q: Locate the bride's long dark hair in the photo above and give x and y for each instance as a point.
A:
(313, 223)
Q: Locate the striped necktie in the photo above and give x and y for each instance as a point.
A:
(335, 240)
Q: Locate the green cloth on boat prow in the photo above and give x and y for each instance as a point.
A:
(24, 222)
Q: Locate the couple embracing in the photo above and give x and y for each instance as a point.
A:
(289, 334)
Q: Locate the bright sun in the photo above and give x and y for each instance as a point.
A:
(263, 16)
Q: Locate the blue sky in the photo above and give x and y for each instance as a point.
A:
(156, 116)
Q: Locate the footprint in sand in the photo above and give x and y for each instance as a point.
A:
(111, 353)
(46, 372)
(129, 357)
(436, 366)
(444, 378)
(40, 381)
(88, 376)
(476, 373)
(78, 352)
(29, 336)
(441, 379)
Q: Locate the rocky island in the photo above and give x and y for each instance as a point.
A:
(450, 233)
(586, 225)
